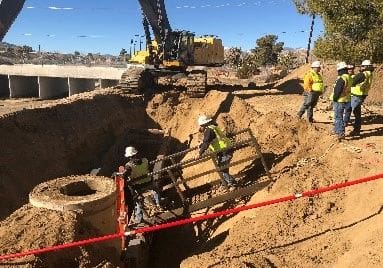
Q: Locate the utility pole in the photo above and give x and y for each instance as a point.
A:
(311, 35)
(141, 42)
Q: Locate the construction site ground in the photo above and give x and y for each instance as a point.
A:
(43, 140)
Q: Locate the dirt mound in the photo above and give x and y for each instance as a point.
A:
(34, 228)
(333, 229)
(376, 93)
(64, 138)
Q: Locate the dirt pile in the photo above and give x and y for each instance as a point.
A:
(66, 137)
(72, 216)
(33, 228)
(335, 229)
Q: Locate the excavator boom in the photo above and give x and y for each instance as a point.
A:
(9, 9)
(155, 13)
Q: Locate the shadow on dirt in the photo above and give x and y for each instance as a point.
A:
(188, 240)
(330, 230)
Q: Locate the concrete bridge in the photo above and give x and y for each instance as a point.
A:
(53, 81)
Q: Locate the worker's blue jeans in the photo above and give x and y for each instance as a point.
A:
(339, 111)
(138, 211)
(347, 114)
(309, 103)
(356, 105)
(224, 159)
(138, 206)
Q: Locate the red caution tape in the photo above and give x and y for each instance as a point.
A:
(195, 219)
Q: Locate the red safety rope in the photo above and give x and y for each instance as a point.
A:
(258, 205)
(63, 246)
(196, 219)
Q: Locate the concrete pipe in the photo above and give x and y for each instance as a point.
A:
(92, 197)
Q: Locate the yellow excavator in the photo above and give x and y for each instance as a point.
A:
(171, 53)
(177, 55)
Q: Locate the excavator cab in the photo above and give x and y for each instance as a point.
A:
(178, 52)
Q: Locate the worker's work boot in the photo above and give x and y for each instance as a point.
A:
(354, 133)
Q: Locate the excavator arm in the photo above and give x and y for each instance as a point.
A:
(173, 46)
(9, 9)
(155, 13)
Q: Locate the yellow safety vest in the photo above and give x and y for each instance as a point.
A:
(318, 85)
(221, 142)
(363, 88)
(345, 96)
(138, 171)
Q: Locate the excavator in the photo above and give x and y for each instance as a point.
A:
(176, 54)
(172, 53)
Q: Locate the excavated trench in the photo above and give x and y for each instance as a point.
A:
(75, 135)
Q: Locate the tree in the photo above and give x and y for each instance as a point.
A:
(353, 29)
(77, 54)
(233, 57)
(288, 60)
(267, 50)
(249, 66)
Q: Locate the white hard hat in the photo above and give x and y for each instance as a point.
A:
(130, 151)
(350, 66)
(341, 65)
(366, 63)
(316, 64)
(203, 119)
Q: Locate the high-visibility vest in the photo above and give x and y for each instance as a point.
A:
(318, 85)
(345, 96)
(363, 88)
(221, 142)
(138, 172)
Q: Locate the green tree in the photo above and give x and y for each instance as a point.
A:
(267, 50)
(288, 60)
(233, 57)
(249, 66)
(353, 29)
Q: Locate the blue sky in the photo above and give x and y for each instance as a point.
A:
(107, 26)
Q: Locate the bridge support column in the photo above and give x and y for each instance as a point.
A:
(79, 85)
(23, 86)
(53, 87)
(4, 86)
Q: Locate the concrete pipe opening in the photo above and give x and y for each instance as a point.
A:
(79, 188)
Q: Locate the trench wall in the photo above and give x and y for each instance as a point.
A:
(69, 138)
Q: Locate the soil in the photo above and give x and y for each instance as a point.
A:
(71, 136)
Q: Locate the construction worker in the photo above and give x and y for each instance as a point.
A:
(347, 113)
(341, 98)
(217, 142)
(359, 91)
(313, 86)
(136, 170)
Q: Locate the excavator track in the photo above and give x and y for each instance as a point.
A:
(196, 84)
(135, 80)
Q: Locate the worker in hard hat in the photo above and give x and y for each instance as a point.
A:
(136, 170)
(341, 97)
(313, 87)
(359, 91)
(216, 141)
(348, 109)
